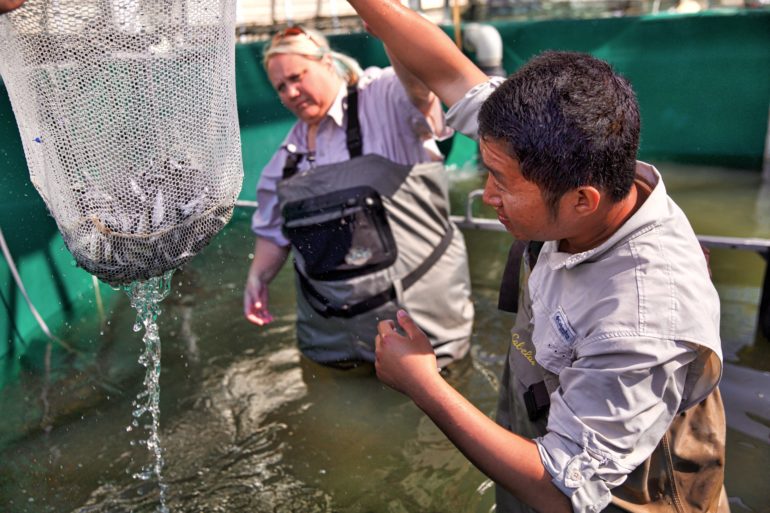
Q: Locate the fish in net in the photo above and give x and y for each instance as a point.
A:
(127, 114)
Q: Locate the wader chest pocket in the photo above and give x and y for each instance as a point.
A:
(342, 234)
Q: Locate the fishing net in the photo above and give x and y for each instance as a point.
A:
(127, 114)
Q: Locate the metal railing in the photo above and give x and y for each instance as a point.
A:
(757, 245)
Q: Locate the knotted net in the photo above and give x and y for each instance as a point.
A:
(127, 115)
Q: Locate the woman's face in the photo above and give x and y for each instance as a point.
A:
(307, 87)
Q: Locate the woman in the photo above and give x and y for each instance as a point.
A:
(358, 193)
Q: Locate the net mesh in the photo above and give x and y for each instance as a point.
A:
(127, 114)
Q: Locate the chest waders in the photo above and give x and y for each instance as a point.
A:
(370, 236)
(685, 472)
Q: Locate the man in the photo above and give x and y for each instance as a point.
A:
(617, 340)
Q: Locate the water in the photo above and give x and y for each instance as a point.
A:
(249, 426)
(145, 297)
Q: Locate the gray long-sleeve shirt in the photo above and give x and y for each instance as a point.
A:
(630, 331)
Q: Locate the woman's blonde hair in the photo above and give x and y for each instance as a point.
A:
(312, 44)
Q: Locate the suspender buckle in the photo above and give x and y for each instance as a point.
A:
(537, 401)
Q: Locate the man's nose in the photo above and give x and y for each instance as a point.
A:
(490, 196)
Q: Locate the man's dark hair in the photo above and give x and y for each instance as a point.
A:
(570, 121)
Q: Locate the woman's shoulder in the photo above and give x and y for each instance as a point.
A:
(375, 77)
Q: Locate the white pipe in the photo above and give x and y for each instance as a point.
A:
(766, 159)
(486, 42)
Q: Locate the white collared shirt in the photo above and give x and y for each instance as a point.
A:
(391, 126)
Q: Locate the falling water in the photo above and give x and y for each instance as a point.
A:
(145, 298)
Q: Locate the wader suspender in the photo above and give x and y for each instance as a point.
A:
(536, 397)
(352, 136)
(508, 298)
(353, 133)
(355, 147)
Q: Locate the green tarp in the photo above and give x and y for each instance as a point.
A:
(703, 82)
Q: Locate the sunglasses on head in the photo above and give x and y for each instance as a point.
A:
(293, 31)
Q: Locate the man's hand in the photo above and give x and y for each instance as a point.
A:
(404, 362)
(255, 301)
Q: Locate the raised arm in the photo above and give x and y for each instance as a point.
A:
(420, 95)
(422, 48)
(9, 5)
(407, 363)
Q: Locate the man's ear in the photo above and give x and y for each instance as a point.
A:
(585, 200)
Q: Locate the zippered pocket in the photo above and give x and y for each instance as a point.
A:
(342, 234)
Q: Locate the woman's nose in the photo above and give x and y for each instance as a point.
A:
(292, 90)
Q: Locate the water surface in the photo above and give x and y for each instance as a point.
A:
(248, 425)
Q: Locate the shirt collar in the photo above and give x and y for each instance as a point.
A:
(339, 106)
(644, 219)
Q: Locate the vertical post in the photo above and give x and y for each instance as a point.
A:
(457, 24)
(764, 301)
(766, 160)
(288, 9)
(334, 14)
(272, 11)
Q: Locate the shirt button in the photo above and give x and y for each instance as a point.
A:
(574, 474)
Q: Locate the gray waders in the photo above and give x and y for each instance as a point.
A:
(370, 236)
(685, 472)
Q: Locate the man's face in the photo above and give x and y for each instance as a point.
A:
(519, 204)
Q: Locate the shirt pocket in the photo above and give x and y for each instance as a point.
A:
(554, 338)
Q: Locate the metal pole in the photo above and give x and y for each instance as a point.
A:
(457, 24)
(764, 301)
(288, 9)
(766, 164)
(22, 289)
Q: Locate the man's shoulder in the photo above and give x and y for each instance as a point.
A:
(463, 115)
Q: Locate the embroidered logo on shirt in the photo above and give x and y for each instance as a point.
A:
(521, 346)
(560, 322)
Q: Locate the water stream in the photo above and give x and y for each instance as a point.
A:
(145, 297)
